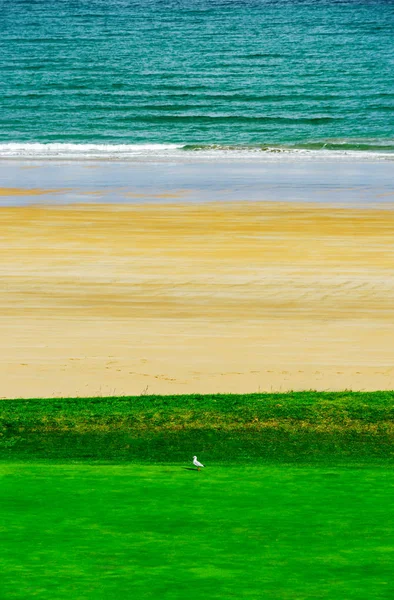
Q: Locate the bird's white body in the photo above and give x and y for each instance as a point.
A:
(196, 463)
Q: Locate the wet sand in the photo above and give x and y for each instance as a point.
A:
(177, 298)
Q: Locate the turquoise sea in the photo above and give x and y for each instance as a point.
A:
(125, 78)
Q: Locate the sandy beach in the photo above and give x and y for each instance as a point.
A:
(178, 298)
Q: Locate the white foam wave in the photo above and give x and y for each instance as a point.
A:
(80, 151)
(178, 152)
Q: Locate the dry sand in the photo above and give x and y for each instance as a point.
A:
(104, 300)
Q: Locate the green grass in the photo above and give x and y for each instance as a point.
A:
(296, 427)
(165, 532)
(98, 501)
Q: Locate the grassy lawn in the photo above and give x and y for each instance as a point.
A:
(144, 531)
(297, 502)
(294, 427)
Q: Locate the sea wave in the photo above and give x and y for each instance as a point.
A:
(319, 150)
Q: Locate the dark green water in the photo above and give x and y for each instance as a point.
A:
(224, 74)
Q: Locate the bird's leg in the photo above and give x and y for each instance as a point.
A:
(198, 468)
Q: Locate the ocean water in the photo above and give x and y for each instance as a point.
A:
(130, 79)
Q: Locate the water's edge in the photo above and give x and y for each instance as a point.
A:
(329, 151)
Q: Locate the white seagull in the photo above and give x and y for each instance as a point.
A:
(196, 463)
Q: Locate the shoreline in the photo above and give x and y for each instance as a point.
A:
(333, 150)
(114, 182)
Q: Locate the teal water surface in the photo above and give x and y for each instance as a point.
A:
(198, 73)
